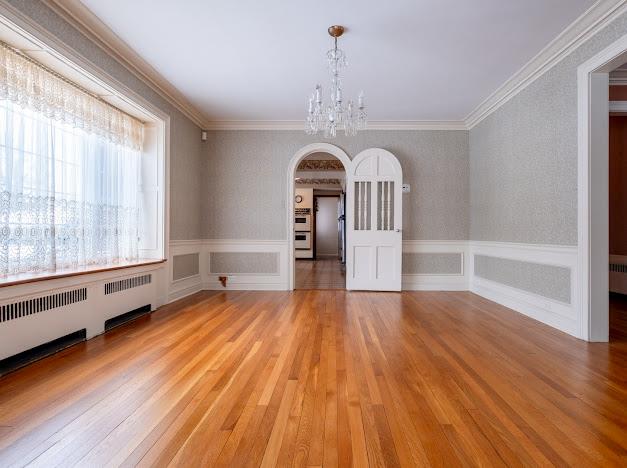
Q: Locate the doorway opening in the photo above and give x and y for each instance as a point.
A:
(618, 204)
(295, 162)
(320, 222)
(597, 306)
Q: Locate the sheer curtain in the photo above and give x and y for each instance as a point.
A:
(68, 198)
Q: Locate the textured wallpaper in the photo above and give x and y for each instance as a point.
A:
(185, 151)
(245, 175)
(255, 263)
(523, 157)
(545, 280)
(186, 265)
(432, 263)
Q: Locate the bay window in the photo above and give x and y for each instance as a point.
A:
(70, 173)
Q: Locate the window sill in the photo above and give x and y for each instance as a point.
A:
(25, 278)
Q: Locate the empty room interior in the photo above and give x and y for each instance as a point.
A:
(321, 234)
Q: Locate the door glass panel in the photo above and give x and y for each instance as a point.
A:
(385, 205)
(362, 206)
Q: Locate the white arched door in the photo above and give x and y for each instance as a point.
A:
(374, 228)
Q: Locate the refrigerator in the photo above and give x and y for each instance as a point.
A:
(341, 227)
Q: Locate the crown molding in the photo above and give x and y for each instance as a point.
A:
(81, 18)
(588, 24)
(300, 125)
(579, 31)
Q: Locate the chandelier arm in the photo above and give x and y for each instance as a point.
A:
(336, 114)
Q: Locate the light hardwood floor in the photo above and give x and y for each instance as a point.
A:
(323, 378)
(326, 273)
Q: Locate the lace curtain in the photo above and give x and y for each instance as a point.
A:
(27, 83)
(67, 198)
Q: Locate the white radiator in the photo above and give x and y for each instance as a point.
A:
(618, 274)
(33, 316)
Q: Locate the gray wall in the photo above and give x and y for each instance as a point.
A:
(245, 176)
(523, 157)
(185, 150)
(254, 263)
(432, 263)
(546, 280)
(186, 265)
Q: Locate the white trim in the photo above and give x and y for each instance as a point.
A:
(589, 23)
(81, 18)
(584, 27)
(437, 282)
(46, 41)
(618, 106)
(618, 78)
(553, 313)
(300, 125)
(205, 280)
(291, 173)
(27, 332)
(560, 315)
(593, 141)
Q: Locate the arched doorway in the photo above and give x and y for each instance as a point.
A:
(291, 172)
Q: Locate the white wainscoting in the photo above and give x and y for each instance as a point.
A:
(205, 280)
(437, 282)
(254, 281)
(182, 287)
(561, 315)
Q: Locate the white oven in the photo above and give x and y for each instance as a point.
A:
(302, 240)
(302, 222)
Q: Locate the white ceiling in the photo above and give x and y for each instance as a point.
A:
(415, 59)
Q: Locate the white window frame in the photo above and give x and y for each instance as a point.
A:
(157, 121)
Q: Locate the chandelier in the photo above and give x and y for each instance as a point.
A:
(334, 115)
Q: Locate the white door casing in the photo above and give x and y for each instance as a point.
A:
(374, 226)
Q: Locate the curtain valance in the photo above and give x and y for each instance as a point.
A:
(31, 85)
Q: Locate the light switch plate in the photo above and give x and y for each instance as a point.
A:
(406, 188)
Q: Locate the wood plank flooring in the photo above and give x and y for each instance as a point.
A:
(326, 273)
(323, 378)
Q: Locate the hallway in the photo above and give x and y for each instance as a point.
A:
(326, 273)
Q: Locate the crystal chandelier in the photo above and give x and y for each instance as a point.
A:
(336, 114)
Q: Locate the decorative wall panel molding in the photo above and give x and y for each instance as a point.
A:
(558, 314)
(430, 281)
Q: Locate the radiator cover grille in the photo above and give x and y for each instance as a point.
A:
(35, 305)
(128, 283)
(618, 268)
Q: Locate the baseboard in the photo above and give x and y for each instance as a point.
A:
(185, 287)
(245, 286)
(434, 283)
(556, 314)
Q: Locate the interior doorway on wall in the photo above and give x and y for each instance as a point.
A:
(618, 204)
(320, 222)
(595, 78)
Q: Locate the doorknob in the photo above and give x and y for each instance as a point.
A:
(398, 230)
